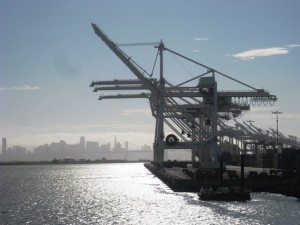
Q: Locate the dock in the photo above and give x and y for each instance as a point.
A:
(189, 179)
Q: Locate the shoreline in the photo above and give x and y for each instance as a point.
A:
(69, 161)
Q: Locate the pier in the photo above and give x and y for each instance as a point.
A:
(189, 179)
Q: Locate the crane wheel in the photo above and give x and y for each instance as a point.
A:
(171, 140)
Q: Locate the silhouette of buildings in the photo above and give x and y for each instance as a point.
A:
(14, 153)
(85, 150)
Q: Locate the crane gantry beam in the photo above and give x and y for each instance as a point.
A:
(115, 82)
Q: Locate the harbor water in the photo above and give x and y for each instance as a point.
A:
(125, 193)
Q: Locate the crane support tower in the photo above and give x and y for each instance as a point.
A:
(195, 113)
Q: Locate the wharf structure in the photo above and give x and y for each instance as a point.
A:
(196, 111)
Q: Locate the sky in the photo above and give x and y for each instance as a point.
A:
(49, 54)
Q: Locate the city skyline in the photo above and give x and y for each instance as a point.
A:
(50, 54)
(82, 150)
(116, 146)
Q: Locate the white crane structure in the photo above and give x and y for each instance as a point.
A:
(194, 113)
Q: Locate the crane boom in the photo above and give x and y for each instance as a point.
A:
(126, 60)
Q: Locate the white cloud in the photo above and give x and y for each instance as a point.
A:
(20, 88)
(196, 50)
(293, 45)
(201, 39)
(263, 52)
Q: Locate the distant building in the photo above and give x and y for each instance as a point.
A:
(4, 150)
(19, 151)
(105, 148)
(42, 152)
(118, 147)
(58, 149)
(82, 142)
(4, 146)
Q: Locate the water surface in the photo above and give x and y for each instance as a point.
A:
(122, 194)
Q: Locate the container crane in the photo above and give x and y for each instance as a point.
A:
(191, 112)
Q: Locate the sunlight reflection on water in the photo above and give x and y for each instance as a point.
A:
(122, 194)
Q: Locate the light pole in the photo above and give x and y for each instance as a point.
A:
(276, 112)
(251, 146)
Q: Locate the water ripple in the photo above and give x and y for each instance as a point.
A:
(122, 194)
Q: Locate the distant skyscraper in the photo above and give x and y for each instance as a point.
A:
(117, 146)
(4, 146)
(82, 142)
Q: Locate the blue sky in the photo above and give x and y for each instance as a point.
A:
(49, 54)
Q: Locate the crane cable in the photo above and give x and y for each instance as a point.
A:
(183, 66)
(154, 63)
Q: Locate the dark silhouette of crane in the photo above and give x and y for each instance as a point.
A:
(192, 112)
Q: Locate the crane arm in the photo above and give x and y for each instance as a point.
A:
(119, 96)
(125, 59)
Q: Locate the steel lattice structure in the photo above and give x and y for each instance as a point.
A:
(195, 114)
